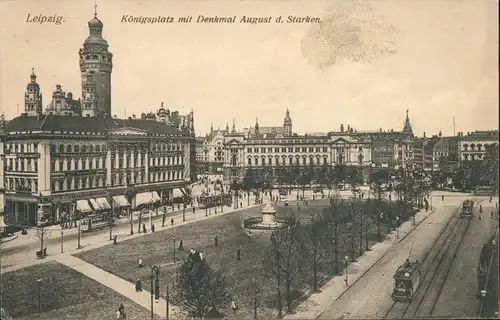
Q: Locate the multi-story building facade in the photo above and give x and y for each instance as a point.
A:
(473, 146)
(277, 149)
(51, 162)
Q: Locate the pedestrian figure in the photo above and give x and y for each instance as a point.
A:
(194, 209)
(215, 209)
(172, 221)
(442, 197)
(241, 204)
(138, 285)
(234, 306)
(144, 230)
(201, 256)
(181, 245)
(492, 214)
(238, 254)
(216, 241)
(114, 239)
(178, 206)
(163, 220)
(153, 228)
(491, 198)
(480, 209)
(141, 263)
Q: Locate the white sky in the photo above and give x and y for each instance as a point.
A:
(439, 60)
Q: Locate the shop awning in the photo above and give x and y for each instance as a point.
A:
(83, 206)
(177, 193)
(146, 198)
(103, 203)
(120, 201)
(95, 205)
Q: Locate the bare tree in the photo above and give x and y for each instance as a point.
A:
(42, 234)
(198, 288)
(316, 242)
(283, 259)
(332, 218)
(140, 221)
(256, 290)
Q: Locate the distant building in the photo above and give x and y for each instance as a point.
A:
(473, 145)
(278, 149)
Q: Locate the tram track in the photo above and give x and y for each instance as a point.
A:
(435, 266)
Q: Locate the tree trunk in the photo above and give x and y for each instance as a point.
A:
(315, 271)
(336, 244)
(42, 235)
(140, 222)
(361, 235)
(288, 295)
(280, 305)
(255, 306)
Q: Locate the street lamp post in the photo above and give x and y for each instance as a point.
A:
(173, 241)
(397, 227)
(150, 212)
(62, 241)
(155, 274)
(346, 261)
(167, 303)
(39, 283)
(79, 233)
(184, 212)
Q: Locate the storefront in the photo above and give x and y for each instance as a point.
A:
(21, 211)
(121, 205)
(145, 199)
(83, 207)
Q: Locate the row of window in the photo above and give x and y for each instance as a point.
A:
(116, 163)
(21, 165)
(319, 160)
(21, 185)
(21, 147)
(472, 146)
(68, 148)
(287, 149)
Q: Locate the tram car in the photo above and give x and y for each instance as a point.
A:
(483, 265)
(406, 281)
(216, 200)
(467, 209)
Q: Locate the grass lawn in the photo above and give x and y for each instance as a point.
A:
(157, 249)
(65, 294)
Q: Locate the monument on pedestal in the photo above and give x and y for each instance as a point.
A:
(267, 220)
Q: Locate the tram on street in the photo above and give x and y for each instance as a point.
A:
(225, 199)
(467, 209)
(406, 281)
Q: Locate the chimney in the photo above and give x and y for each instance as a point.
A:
(69, 95)
(341, 128)
(424, 134)
(348, 128)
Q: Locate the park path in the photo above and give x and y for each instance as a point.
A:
(24, 259)
(123, 287)
(313, 307)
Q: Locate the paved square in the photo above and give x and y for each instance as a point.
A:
(157, 249)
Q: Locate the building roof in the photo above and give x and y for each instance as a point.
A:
(442, 144)
(85, 124)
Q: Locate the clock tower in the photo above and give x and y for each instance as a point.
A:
(33, 97)
(96, 64)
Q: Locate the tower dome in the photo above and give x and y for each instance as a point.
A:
(287, 117)
(95, 23)
(33, 85)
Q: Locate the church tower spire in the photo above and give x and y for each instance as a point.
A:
(96, 64)
(407, 128)
(233, 130)
(33, 97)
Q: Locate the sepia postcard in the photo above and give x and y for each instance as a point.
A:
(249, 159)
